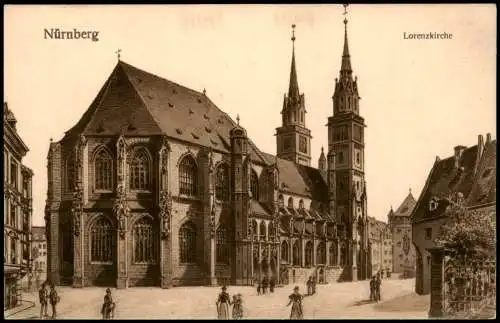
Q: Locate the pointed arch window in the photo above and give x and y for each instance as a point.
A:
(70, 173)
(309, 254)
(187, 243)
(140, 171)
(333, 254)
(221, 242)
(290, 203)
(222, 183)
(301, 204)
(255, 230)
(281, 201)
(102, 244)
(145, 241)
(188, 177)
(320, 254)
(284, 251)
(254, 185)
(103, 171)
(296, 253)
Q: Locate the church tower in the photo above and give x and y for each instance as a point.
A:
(293, 139)
(346, 141)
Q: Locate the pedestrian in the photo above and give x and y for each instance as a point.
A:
(259, 288)
(54, 300)
(372, 289)
(223, 302)
(272, 283)
(37, 280)
(108, 306)
(237, 307)
(265, 284)
(296, 298)
(30, 282)
(309, 287)
(378, 282)
(43, 297)
(313, 285)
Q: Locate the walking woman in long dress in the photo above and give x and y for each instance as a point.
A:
(296, 301)
(223, 302)
(237, 307)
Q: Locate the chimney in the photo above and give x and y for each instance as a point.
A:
(458, 154)
(488, 138)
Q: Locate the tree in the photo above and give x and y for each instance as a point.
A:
(469, 236)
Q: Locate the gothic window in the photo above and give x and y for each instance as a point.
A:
(296, 253)
(70, 173)
(102, 244)
(13, 174)
(222, 183)
(187, 243)
(140, 171)
(358, 158)
(343, 255)
(320, 254)
(333, 255)
(309, 254)
(301, 204)
(145, 241)
(13, 214)
(255, 230)
(281, 200)
(13, 251)
(103, 171)
(284, 251)
(263, 230)
(270, 230)
(188, 176)
(302, 117)
(303, 145)
(254, 185)
(290, 203)
(221, 241)
(341, 157)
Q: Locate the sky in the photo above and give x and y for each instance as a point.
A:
(420, 98)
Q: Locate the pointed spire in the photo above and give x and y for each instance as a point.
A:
(346, 57)
(238, 118)
(293, 89)
(118, 53)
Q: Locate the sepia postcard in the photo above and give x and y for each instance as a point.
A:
(321, 161)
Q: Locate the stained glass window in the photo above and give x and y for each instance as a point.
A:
(102, 241)
(145, 241)
(140, 171)
(103, 171)
(187, 243)
(222, 183)
(187, 176)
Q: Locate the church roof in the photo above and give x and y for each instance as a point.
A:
(133, 101)
(446, 179)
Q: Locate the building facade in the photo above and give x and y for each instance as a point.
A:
(403, 251)
(39, 253)
(156, 186)
(467, 178)
(380, 242)
(17, 210)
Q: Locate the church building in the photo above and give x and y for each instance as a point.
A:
(156, 186)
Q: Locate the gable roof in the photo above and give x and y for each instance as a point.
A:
(133, 101)
(38, 233)
(445, 178)
(485, 184)
(406, 208)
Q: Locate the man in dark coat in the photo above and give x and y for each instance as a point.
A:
(54, 299)
(272, 283)
(265, 284)
(43, 297)
(378, 282)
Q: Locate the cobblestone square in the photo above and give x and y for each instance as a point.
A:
(341, 300)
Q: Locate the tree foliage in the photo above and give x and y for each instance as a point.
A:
(468, 235)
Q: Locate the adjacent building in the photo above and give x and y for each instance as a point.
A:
(39, 253)
(17, 203)
(403, 251)
(380, 241)
(156, 186)
(468, 178)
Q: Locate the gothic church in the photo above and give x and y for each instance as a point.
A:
(156, 186)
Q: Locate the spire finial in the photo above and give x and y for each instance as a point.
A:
(238, 119)
(204, 91)
(118, 53)
(345, 13)
(410, 190)
(293, 88)
(293, 34)
(322, 150)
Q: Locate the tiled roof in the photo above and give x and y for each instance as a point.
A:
(407, 206)
(259, 209)
(485, 185)
(133, 101)
(38, 233)
(7, 113)
(447, 179)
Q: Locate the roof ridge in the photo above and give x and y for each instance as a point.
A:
(424, 189)
(142, 98)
